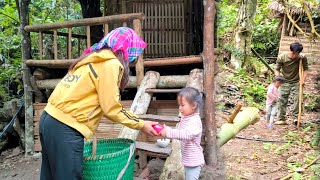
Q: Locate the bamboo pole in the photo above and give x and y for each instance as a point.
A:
(88, 37)
(208, 63)
(70, 43)
(137, 27)
(85, 22)
(300, 92)
(246, 117)
(94, 145)
(40, 45)
(106, 29)
(55, 44)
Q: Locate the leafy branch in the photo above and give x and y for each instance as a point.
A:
(3, 13)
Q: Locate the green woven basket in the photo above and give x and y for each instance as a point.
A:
(112, 158)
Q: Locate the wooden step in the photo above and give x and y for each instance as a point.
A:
(160, 117)
(162, 90)
(153, 148)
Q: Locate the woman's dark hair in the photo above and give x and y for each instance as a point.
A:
(120, 56)
(192, 95)
(296, 47)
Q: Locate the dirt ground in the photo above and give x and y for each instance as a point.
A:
(243, 159)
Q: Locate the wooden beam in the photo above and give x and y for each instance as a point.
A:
(163, 90)
(85, 22)
(173, 61)
(208, 63)
(176, 81)
(139, 64)
(146, 63)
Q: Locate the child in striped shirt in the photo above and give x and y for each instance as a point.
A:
(272, 99)
(189, 132)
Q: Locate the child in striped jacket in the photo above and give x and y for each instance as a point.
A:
(189, 132)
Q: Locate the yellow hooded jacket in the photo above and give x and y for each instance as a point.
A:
(90, 91)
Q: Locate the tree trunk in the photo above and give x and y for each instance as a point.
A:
(208, 64)
(26, 54)
(90, 9)
(244, 32)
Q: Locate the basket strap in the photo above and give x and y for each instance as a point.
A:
(132, 147)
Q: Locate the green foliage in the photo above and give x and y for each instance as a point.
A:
(253, 90)
(266, 37)
(44, 11)
(227, 16)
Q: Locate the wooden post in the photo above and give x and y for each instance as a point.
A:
(88, 37)
(123, 10)
(70, 43)
(26, 50)
(141, 102)
(55, 44)
(173, 163)
(40, 45)
(106, 29)
(139, 65)
(208, 63)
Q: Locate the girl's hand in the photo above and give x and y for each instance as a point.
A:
(148, 129)
(163, 132)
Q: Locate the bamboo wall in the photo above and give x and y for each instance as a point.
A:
(163, 27)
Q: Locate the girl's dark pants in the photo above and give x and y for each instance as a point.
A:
(62, 150)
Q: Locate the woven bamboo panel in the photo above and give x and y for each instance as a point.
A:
(164, 27)
(109, 129)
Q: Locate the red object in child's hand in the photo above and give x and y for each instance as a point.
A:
(157, 127)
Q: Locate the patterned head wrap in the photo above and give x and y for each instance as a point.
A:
(123, 39)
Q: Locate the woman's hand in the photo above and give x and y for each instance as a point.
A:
(148, 129)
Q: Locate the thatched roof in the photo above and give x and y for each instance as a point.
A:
(295, 8)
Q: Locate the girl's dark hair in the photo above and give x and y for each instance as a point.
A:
(296, 47)
(192, 95)
(120, 56)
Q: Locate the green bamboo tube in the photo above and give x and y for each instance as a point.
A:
(249, 115)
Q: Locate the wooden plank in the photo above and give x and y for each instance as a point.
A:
(153, 148)
(163, 90)
(160, 117)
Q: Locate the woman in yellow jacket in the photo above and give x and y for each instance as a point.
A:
(89, 91)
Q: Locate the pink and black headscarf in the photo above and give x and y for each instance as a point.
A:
(121, 39)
